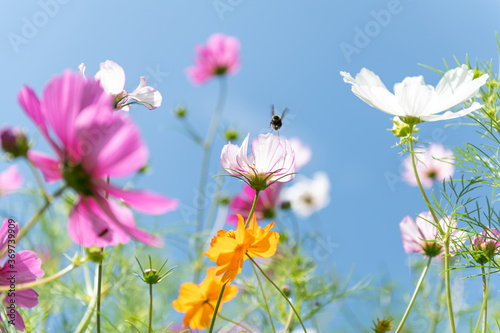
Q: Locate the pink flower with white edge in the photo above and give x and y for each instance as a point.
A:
(220, 56)
(272, 160)
(434, 163)
(266, 203)
(92, 143)
(303, 152)
(27, 266)
(10, 180)
(413, 100)
(112, 79)
(422, 236)
(486, 245)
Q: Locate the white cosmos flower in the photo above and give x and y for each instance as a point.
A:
(413, 98)
(308, 196)
(112, 79)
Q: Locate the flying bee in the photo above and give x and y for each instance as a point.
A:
(276, 120)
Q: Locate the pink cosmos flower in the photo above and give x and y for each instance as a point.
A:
(266, 203)
(433, 164)
(302, 152)
(220, 56)
(421, 236)
(272, 160)
(487, 243)
(10, 180)
(92, 142)
(27, 268)
(112, 79)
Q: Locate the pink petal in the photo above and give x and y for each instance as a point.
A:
(143, 201)
(4, 234)
(10, 180)
(49, 166)
(31, 105)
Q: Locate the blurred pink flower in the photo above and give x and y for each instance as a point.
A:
(272, 160)
(27, 268)
(422, 236)
(10, 180)
(111, 76)
(266, 203)
(220, 56)
(93, 142)
(303, 152)
(433, 164)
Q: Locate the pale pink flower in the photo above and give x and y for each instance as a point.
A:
(434, 163)
(488, 243)
(220, 56)
(417, 100)
(266, 203)
(303, 152)
(92, 142)
(112, 79)
(272, 160)
(25, 266)
(422, 236)
(10, 180)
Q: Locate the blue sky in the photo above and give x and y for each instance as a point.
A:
(291, 56)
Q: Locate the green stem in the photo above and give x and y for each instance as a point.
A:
(84, 323)
(436, 315)
(38, 181)
(414, 297)
(38, 214)
(99, 284)
(150, 306)
(447, 280)
(265, 299)
(40, 282)
(207, 147)
(214, 317)
(484, 307)
(235, 323)
(280, 291)
(252, 210)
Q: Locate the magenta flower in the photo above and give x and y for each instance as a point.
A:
(10, 180)
(220, 56)
(422, 236)
(25, 266)
(433, 164)
(92, 142)
(266, 203)
(112, 79)
(487, 243)
(272, 160)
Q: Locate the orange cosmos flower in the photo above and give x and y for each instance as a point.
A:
(198, 301)
(230, 248)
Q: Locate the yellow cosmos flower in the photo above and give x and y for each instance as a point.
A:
(230, 248)
(198, 301)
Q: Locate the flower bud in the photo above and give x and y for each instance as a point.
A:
(14, 142)
(286, 290)
(285, 205)
(151, 276)
(382, 325)
(231, 134)
(180, 111)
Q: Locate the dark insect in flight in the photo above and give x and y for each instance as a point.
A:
(276, 120)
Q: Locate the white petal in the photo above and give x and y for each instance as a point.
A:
(112, 77)
(81, 68)
(456, 86)
(370, 89)
(414, 95)
(148, 96)
(451, 115)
